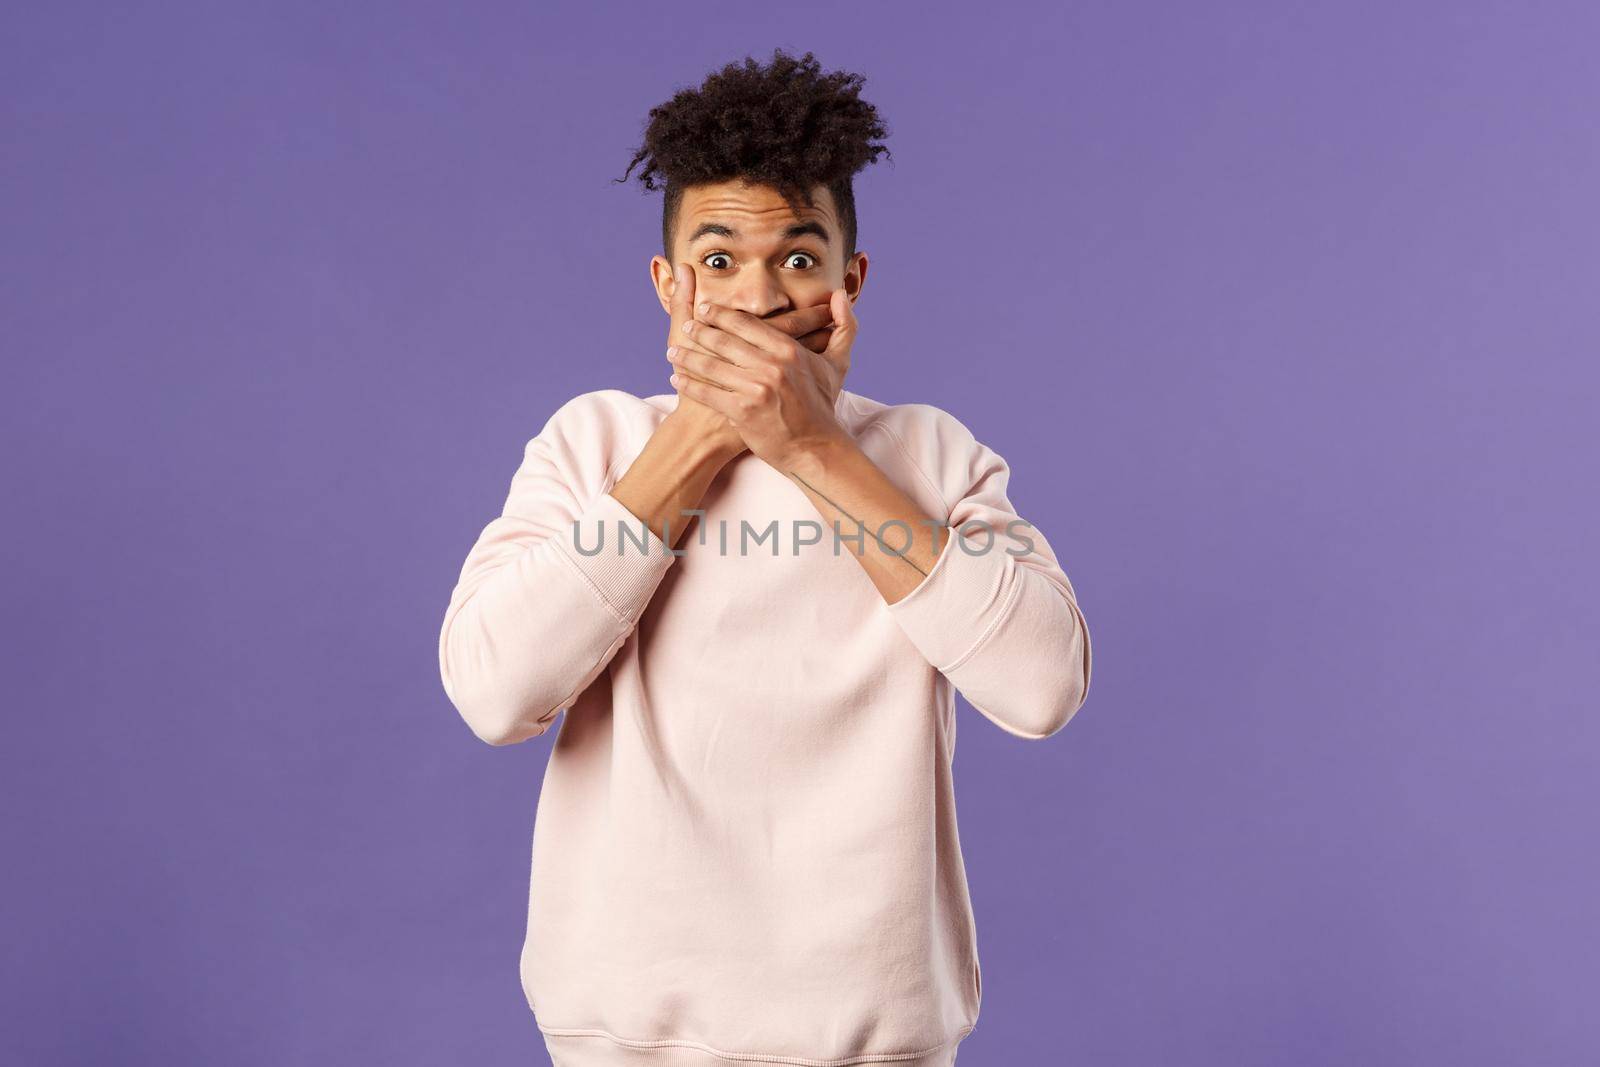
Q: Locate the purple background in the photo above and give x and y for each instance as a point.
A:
(1286, 320)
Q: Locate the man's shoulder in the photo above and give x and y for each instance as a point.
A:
(930, 433)
(609, 420)
(944, 452)
(608, 408)
(595, 432)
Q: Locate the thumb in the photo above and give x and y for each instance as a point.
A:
(682, 291)
(844, 330)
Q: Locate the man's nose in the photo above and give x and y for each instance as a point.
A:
(759, 293)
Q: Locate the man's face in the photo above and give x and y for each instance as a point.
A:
(751, 252)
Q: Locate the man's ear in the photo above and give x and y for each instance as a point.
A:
(855, 276)
(661, 278)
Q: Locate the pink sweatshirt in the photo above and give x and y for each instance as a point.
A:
(745, 848)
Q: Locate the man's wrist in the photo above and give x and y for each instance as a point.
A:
(706, 436)
(811, 459)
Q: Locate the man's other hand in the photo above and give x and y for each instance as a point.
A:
(811, 326)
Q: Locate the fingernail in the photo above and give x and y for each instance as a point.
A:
(688, 327)
(673, 379)
(704, 307)
(672, 353)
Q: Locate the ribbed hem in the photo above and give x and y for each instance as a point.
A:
(622, 574)
(958, 604)
(600, 1048)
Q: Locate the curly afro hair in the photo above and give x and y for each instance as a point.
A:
(786, 125)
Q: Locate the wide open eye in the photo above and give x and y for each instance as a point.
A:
(810, 260)
(726, 260)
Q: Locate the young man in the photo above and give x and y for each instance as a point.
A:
(755, 597)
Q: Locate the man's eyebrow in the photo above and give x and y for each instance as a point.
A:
(706, 229)
(799, 229)
(810, 226)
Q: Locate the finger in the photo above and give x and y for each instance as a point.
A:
(685, 283)
(683, 340)
(718, 372)
(683, 286)
(755, 337)
(844, 331)
(717, 399)
(683, 373)
(672, 357)
(802, 320)
(816, 340)
(710, 338)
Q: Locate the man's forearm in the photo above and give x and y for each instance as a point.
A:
(673, 471)
(850, 489)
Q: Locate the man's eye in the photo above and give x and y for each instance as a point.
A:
(811, 260)
(713, 259)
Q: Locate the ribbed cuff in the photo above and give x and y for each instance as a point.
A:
(958, 604)
(623, 574)
(594, 1047)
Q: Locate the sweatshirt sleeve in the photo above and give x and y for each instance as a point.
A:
(996, 614)
(532, 619)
